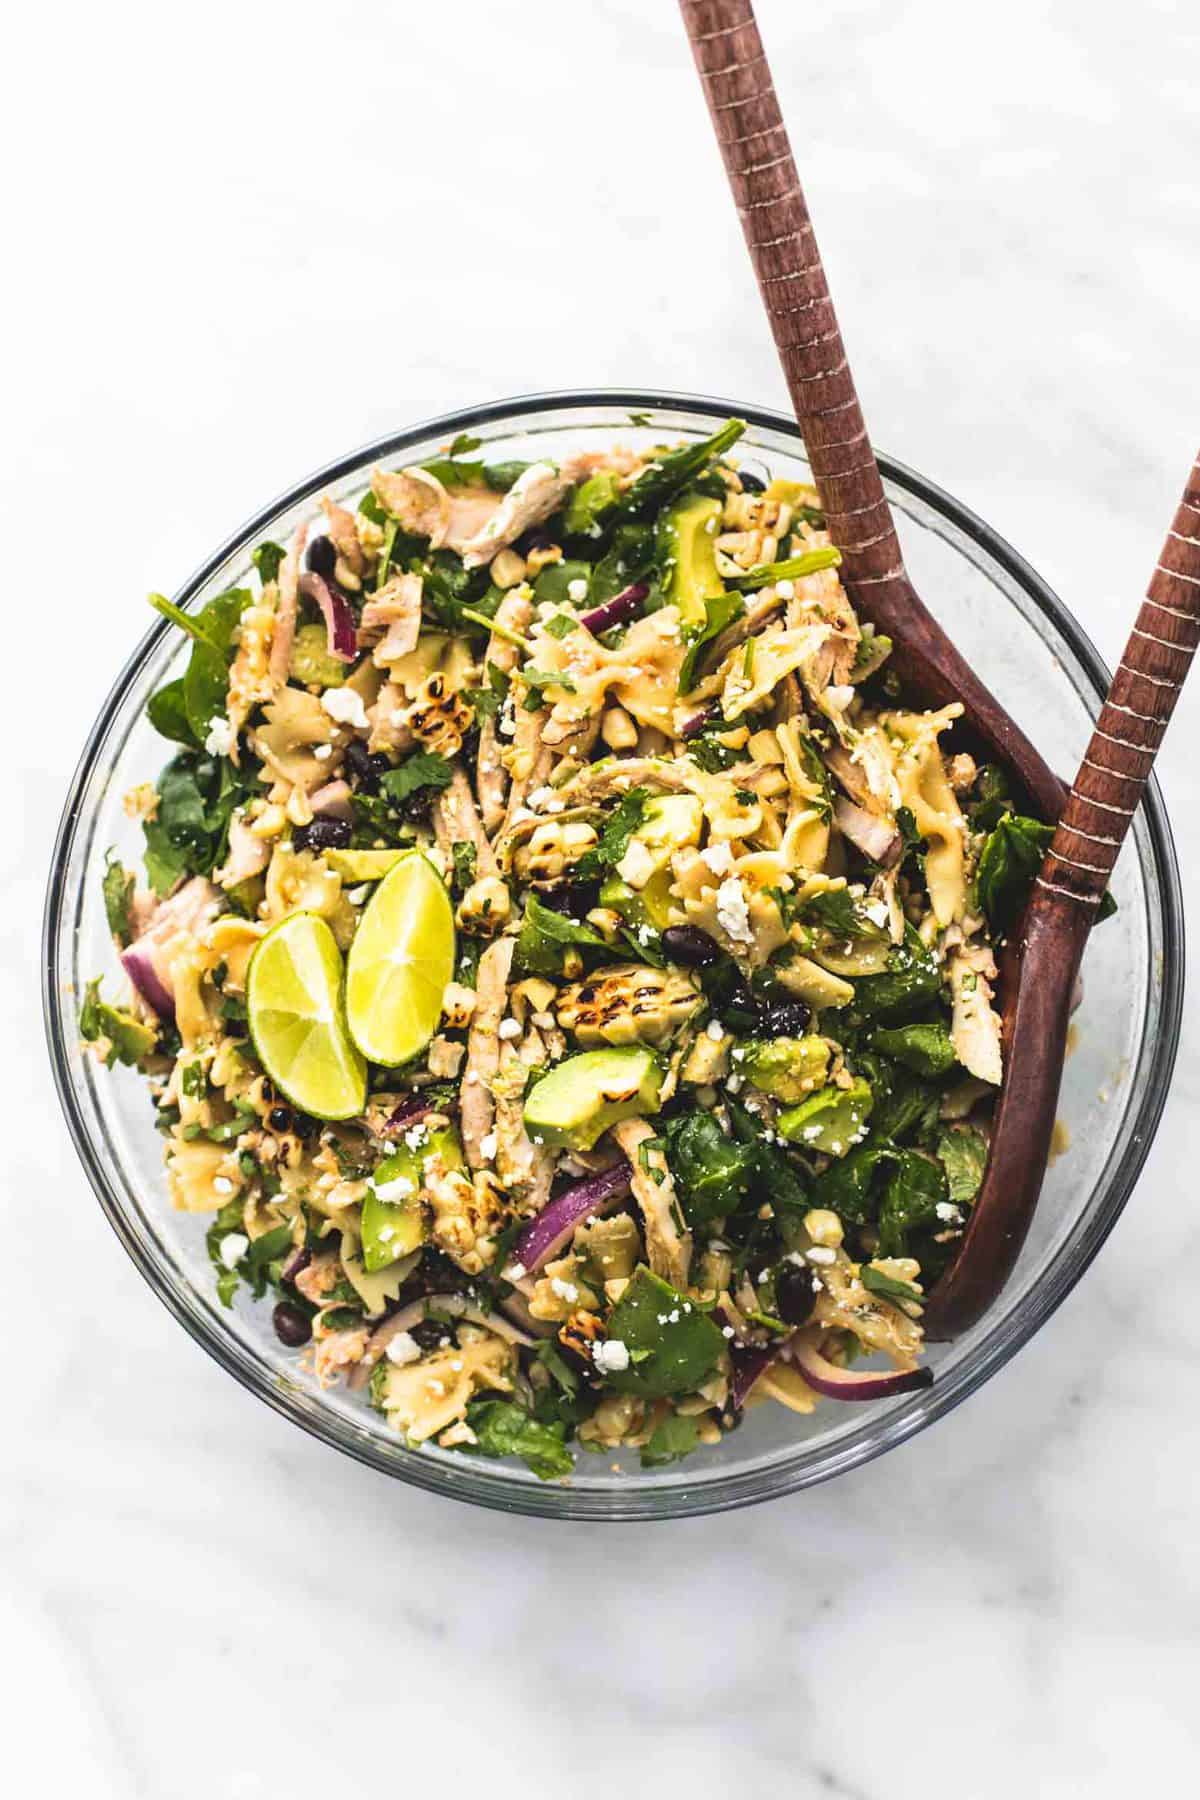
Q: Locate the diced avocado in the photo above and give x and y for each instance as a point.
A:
(798, 494)
(687, 538)
(810, 982)
(393, 1223)
(790, 1068)
(362, 865)
(608, 1249)
(311, 662)
(582, 1097)
(853, 956)
(673, 1346)
(830, 1120)
(649, 905)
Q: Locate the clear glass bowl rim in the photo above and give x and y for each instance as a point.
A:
(472, 1481)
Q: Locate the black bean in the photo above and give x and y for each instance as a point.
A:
(292, 1326)
(322, 557)
(430, 1334)
(751, 484)
(280, 1118)
(324, 834)
(688, 945)
(788, 1018)
(795, 1293)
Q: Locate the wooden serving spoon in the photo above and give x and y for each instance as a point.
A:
(1042, 964)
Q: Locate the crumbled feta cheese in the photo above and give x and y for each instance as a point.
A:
(415, 1136)
(785, 589)
(404, 1348)
(322, 752)
(821, 1253)
(514, 1272)
(948, 1213)
(345, 706)
(234, 1246)
(566, 1290)
(876, 911)
(487, 1147)
(221, 736)
(733, 913)
(222, 1184)
(577, 589)
(637, 865)
(356, 895)
(611, 1356)
(399, 1189)
(718, 857)
(508, 1028)
(728, 1331)
(715, 1030)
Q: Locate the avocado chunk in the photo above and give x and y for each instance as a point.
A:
(649, 905)
(790, 1068)
(673, 1346)
(687, 538)
(589, 503)
(362, 865)
(393, 1223)
(671, 822)
(830, 1120)
(581, 1098)
(311, 662)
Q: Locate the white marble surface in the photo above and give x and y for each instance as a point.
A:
(245, 237)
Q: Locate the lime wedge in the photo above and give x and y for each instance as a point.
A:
(399, 963)
(294, 1003)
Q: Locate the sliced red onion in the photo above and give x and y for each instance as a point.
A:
(340, 630)
(836, 1383)
(409, 1111)
(748, 1363)
(553, 1227)
(332, 801)
(699, 721)
(516, 1306)
(617, 611)
(417, 1310)
(138, 963)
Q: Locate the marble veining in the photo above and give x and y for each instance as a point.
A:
(253, 238)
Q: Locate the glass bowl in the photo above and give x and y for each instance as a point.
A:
(1039, 662)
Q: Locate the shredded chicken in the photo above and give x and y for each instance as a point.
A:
(477, 1109)
(668, 1245)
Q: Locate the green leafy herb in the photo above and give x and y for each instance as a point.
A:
(712, 1173)
(887, 1287)
(1011, 857)
(629, 558)
(197, 796)
(117, 886)
(911, 980)
(167, 713)
(536, 681)
(672, 1342)
(129, 1040)
(672, 471)
(926, 1049)
(914, 1191)
(205, 683)
(488, 699)
(629, 815)
(963, 1152)
(546, 934)
(560, 626)
(673, 1438)
(464, 865)
(839, 912)
(504, 1429)
(266, 559)
(719, 612)
(423, 769)
(553, 583)
(589, 503)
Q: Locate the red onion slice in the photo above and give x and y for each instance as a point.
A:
(616, 611)
(699, 721)
(138, 963)
(332, 801)
(409, 1111)
(340, 630)
(553, 1227)
(852, 1384)
(748, 1364)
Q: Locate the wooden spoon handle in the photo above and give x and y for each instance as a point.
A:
(1117, 764)
(758, 160)
(779, 235)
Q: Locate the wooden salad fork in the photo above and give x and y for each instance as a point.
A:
(1044, 957)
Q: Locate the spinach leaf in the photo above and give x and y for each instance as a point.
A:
(490, 697)
(167, 713)
(589, 502)
(1011, 857)
(925, 1049)
(673, 1344)
(128, 1039)
(205, 686)
(555, 579)
(447, 588)
(841, 913)
(629, 558)
(197, 795)
(963, 1152)
(544, 936)
(712, 1173)
(614, 839)
(793, 568)
(423, 769)
(719, 612)
(911, 980)
(851, 1187)
(915, 1190)
(668, 474)
(776, 1179)
(673, 1438)
(504, 1429)
(887, 1287)
(117, 887)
